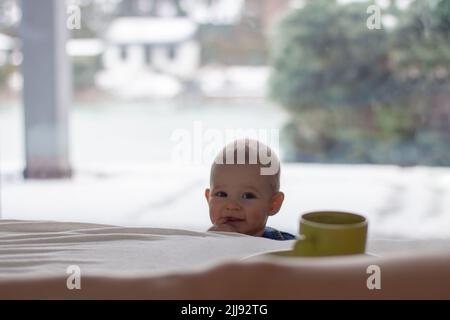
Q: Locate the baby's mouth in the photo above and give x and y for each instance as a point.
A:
(231, 219)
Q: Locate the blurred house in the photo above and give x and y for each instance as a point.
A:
(163, 48)
(166, 45)
(86, 55)
(10, 59)
(7, 46)
(149, 56)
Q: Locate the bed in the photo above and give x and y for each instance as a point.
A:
(38, 260)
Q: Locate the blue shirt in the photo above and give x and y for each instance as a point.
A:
(274, 234)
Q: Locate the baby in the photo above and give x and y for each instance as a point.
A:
(245, 190)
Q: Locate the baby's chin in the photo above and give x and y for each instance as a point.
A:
(223, 227)
(245, 230)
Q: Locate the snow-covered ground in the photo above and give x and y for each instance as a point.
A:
(399, 202)
(124, 175)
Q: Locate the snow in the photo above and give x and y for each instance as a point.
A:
(398, 202)
(129, 83)
(138, 30)
(236, 81)
(125, 174)
(6, 42)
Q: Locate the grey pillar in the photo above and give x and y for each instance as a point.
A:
(47, 88)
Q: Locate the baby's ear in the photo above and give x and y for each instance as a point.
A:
(277, 201)
(207, 194)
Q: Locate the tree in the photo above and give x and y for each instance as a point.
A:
(363, 95)
(326, 48)
(420, 48)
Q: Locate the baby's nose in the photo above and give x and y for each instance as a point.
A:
(233, 205)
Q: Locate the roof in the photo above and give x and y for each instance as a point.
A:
(144, 30)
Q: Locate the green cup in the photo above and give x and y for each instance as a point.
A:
(331, 233)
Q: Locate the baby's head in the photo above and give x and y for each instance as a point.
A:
(244, 187)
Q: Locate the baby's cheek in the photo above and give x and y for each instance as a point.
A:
(214, 214)
(259, 215)
(253, 214)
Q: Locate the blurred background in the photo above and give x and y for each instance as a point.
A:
(362, 106)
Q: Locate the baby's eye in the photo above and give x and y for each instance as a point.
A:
(248, 195)
(220, 194)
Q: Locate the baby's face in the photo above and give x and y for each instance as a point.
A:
(240, 198)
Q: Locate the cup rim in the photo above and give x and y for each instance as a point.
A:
(304, 219)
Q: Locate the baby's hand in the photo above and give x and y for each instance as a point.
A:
(222, 227)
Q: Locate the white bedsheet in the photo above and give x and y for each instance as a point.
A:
(40, 250)
(46, 248)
